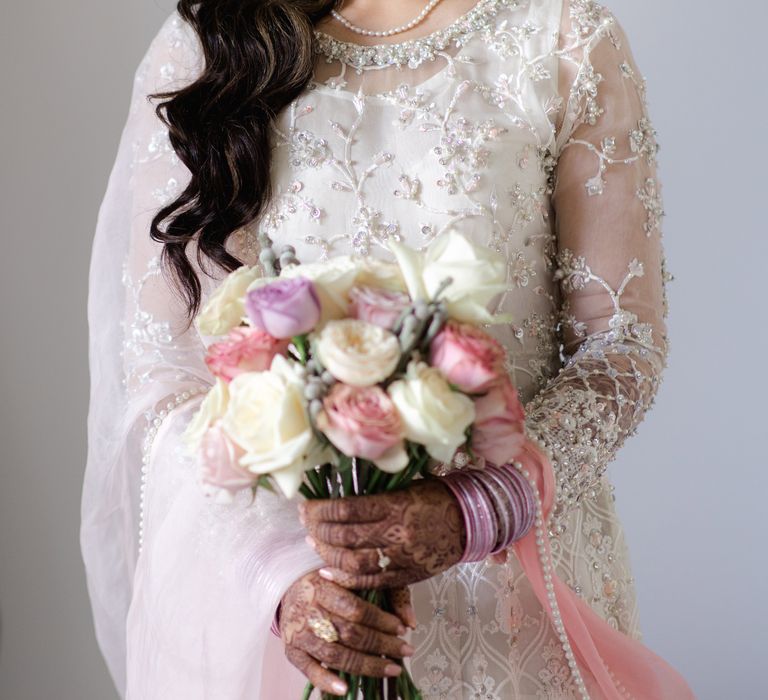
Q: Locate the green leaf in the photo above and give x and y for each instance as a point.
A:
(301, 343)
(265, 482)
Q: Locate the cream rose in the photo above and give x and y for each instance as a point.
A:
(478, 275)
(267, 417)
(380, 274)
(358, 353)
(433, 414)
(226, 306)
(212, 408)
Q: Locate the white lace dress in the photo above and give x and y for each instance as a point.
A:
(522, 124)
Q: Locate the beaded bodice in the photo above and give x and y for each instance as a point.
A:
(355, 168)
(411, 53)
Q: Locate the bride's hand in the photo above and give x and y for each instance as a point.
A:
(366, 634)
(387, 540)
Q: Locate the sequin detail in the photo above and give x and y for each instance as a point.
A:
(413, 53)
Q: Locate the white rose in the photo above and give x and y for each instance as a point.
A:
(226, 307)
(212, 408)
(267, 416)
(433, 414)
(380, 274)
(333, 279)
(478, 275)
(358, 353)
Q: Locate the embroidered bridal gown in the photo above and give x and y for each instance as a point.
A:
(522, 124)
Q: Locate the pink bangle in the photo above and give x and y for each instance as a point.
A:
(498, 507)
(480, 521)
(506, 506)
(455, 483)
(522, 502)
(463, 490)
(486, 520)
(528, 498)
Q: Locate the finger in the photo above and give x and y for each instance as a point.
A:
(353, 536)
(402, 607)
(325, 680)
(349, 606)
(369, 640)
(353, 561)
(352, 509)
(343, 658)
(385, 579)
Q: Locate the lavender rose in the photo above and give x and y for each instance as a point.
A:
(284, 308)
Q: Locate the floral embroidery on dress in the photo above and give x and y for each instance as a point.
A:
(286, 205)
(146, 337)
(435, 685)
(650, 196)
(555, 675)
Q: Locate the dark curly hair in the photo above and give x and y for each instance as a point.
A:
(259, 56)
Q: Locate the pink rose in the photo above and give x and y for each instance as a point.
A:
(499, 429)
(378, 306)
(284, 308)
(468, 357)
(220, 462)
(363, 422)
(243, 350)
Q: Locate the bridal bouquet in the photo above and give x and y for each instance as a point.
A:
(354, 376)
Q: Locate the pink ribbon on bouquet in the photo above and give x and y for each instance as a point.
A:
(613, 665)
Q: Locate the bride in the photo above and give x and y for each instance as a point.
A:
(335, 127)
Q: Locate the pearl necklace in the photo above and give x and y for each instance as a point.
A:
(388, 32)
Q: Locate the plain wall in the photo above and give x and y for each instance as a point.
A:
(696, 470)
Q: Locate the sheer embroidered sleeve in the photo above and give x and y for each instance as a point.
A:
(610, 260)
(144, 365)
(171, 574)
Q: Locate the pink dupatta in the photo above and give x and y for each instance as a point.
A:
(610, 664)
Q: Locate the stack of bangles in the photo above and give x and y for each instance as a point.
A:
(498, 505)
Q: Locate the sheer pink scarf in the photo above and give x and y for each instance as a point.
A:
(613, 665)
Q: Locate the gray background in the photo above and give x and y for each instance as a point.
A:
(696, 470)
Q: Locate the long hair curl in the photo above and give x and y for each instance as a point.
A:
(259, 56)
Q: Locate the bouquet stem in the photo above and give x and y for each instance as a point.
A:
(355, 478)
(400, 688)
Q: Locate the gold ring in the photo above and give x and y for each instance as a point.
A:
(384, 560)
(324, 629)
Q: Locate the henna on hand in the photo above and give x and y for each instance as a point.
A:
(418, 532)
(367, 634)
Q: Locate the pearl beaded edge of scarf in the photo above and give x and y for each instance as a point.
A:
(415, 22)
